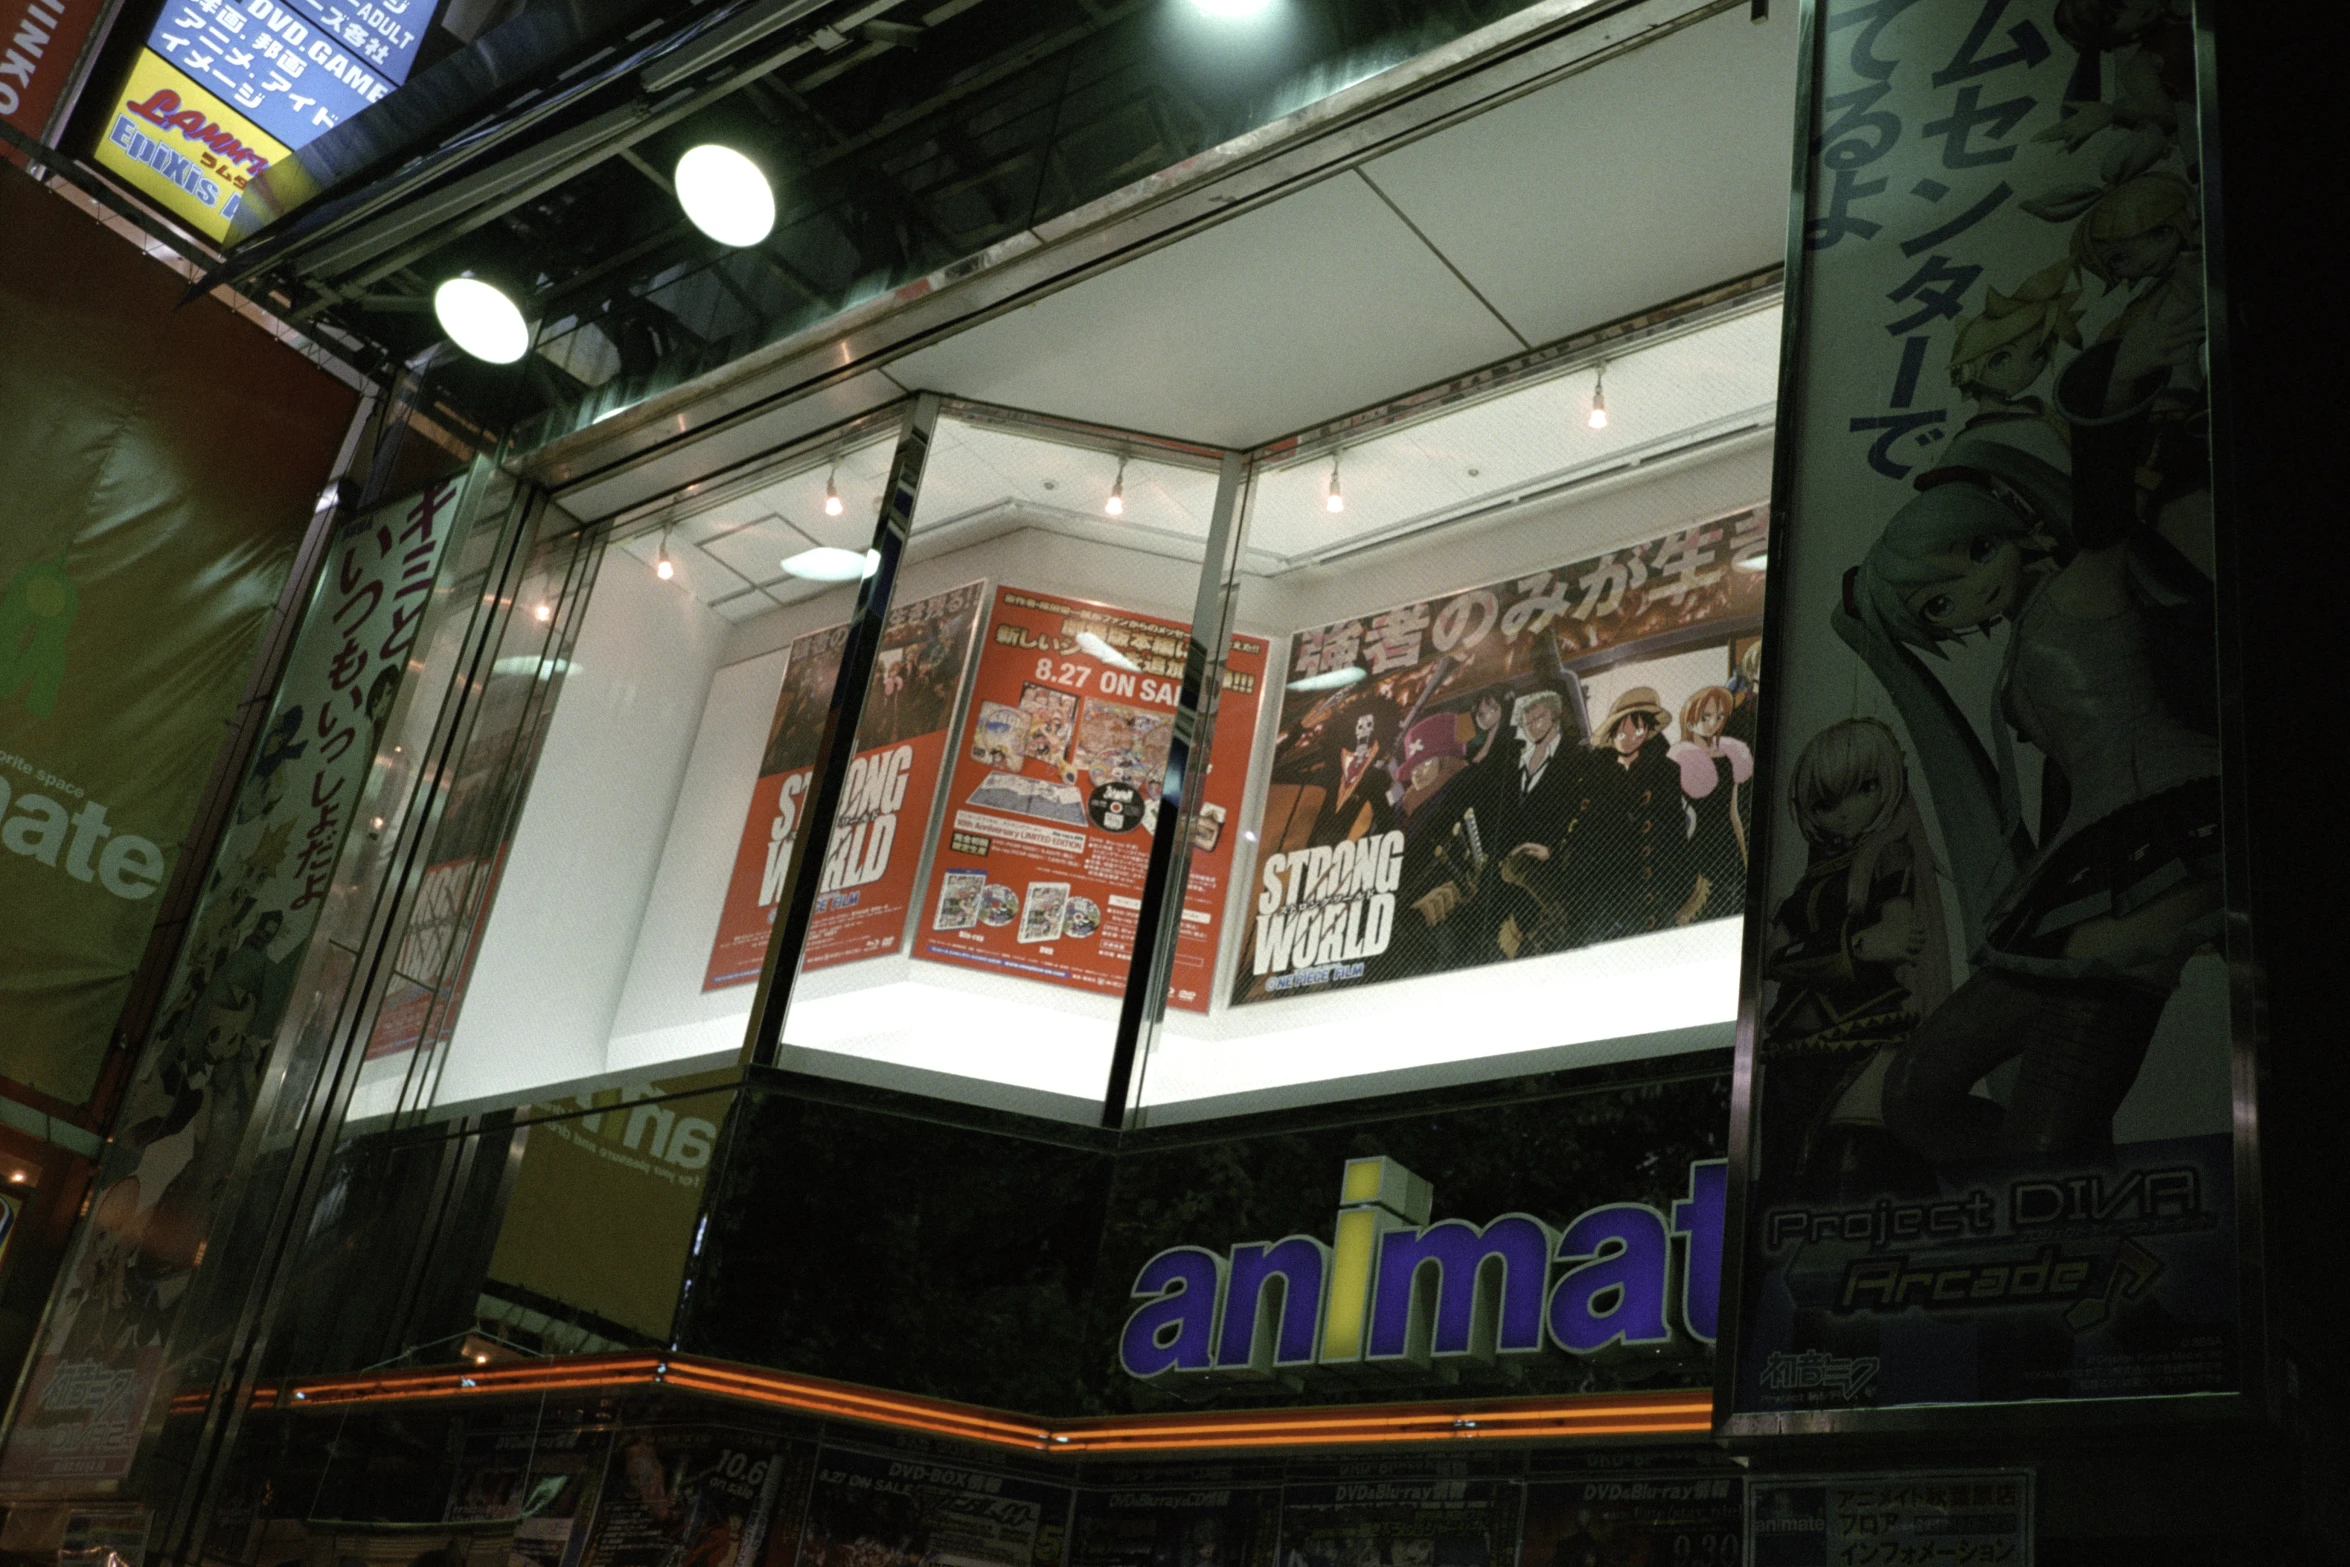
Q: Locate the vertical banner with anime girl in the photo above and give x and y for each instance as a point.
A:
(1992, 1153)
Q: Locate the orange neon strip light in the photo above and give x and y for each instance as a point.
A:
(1633, 1414)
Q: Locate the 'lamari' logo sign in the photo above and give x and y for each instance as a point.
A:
(1392, 1289)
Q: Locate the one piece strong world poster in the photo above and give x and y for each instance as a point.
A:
(1993, 1155)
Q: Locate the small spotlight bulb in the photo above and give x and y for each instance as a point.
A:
(543, 614)
(664, 568)
(725, 195)
(832, 501)
(1598, 420)
(1333, 501)
(1116, 504)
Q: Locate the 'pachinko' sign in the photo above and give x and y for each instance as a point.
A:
(1391, 1289)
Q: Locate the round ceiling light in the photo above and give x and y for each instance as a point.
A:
(725, 195)
(826, 564)
(480, 319)
(1231, 8)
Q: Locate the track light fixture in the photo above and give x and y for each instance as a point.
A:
(1332, 500)
(1598, 420)
(1116, 504)
(832, 500)
(663, 566)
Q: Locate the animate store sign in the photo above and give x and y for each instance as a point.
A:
(1391, 1289)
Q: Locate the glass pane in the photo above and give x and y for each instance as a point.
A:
(1496, 820)
(977, 920)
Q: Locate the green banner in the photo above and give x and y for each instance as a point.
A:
(159, 465)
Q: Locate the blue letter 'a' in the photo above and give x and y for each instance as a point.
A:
(1617, 1293)
(1253, 1339)
(1176, 1324)
(1699, 1217)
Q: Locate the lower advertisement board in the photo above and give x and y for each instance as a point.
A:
(1886, 1520)
(1634, 1519)
(1176, 1524)
(908, 1510)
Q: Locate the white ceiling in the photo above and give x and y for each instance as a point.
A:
(1518, 442)
(1650, 176)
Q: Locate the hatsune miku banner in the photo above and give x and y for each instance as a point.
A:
(1992, 1122)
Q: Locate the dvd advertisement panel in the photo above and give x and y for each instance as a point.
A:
(1055, 794)
(870, 865)
(1528, 766)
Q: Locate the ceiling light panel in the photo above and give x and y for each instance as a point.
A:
(1693, 387)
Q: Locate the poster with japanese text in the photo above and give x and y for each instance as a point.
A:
(1176, 1526)
(890, 1510)
(1055, 794)
(686, 1496)
(1634, 1519)
(1993, 1155)
(102, 1358)
(1400, 1522)
(885, 811)
(1522, 767)
(1855, 1520)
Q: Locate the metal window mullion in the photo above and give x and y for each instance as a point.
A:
(1159, 925)
(763, 1042)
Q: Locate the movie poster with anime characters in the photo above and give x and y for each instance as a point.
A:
(876, 848)
(1055, 795)
(1636, 1519)
(1992, 1154)
(1523, 767)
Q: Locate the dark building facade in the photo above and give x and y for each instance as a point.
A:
(1210, 783)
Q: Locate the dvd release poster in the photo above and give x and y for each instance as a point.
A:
(1518, 768)
(1634, 1520)
(545, 1481)
(1400, 1523)
(876, 850)
(1055, 794)
(686, 1497)
(1211, 1526)
(1993, 1156)
(881, 1510)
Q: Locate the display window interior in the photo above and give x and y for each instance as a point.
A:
(1419, 850)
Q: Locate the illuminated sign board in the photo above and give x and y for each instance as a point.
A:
(1390, 1289)
(225, 87)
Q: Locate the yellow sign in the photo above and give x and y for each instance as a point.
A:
(179, 145)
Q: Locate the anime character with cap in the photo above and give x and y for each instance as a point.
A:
(1715, 769)
(2080, 937)
(2000, 355)
(1633, 871)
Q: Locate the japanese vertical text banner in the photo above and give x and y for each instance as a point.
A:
(1992, 1154)
(102, 1358)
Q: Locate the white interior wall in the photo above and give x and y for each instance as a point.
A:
(540, 1006)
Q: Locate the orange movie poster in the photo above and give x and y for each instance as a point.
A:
(1055, 791)
(871, 863)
